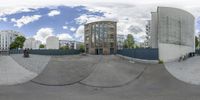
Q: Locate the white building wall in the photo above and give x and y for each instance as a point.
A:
(31, 43)
(7, 37)
(175, 33)
(172, 52)
(153, 30)
(52, 42)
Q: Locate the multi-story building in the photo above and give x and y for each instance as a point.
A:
(70, 44)
(172, 32)
(101, 37)
(31, 43)
(120, 41)
(7, 37)
(148, 32)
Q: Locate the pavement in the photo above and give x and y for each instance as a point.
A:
(151, 82)
(154, 84)
(65, 70)
(187, 71)
(112, 71)
(12, 73)
(35, 63)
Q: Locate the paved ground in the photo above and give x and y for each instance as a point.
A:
(35, 63)
(187, 71)
(63, 70)
(113, 71)
(155, 83)
(12, 73)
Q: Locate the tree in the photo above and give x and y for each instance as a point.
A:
(18, 42)
(64, 48)
(129, 42)
(82, 48)
(42, 46)
(197, 42)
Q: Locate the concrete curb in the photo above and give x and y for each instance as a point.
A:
(138, 60)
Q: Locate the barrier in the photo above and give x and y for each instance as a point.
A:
(47, 52)
(140, 53)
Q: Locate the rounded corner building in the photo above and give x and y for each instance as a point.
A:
(101, 37)
(172, 32)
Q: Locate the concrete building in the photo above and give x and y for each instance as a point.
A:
(31, 43)
(172, 32)
(70, 44)
(101, 37)
(7, 37)
(120, 41)
(52, 42)
(148, 32)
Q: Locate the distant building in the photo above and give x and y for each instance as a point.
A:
(172, 32)
(70, 44)
(120, 41)
(7, 37)
(101, 37)
(52, 42)
(148, 32)
(31, 43)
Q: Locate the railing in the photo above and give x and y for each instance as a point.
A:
(140, 53)
(47, 52)
(197, 51)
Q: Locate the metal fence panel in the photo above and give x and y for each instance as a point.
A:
(47, 52)
(140, 53)
(197, 51)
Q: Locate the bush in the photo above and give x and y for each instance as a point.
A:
(160, 61)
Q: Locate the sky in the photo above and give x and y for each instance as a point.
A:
(65, 19)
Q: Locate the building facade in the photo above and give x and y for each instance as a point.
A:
(172, 32)
(7, 37)
(52, 42)
(101, 37)
(31, 43)
(70, 44)
(147, 41)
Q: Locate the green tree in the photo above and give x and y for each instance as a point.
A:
(18, 42)
(82, 48)
(129, 42)
(197, 42)
(42, 46)
(64, 48)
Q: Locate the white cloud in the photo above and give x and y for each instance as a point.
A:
(65, 27)
(3, 19)
(43, 33)
(25, 20)
(13, 10)
(64, 36)
(79, 35)
(127, 12)
(53, 13)
(72, 29)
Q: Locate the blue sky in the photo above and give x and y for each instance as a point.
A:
(65, 19)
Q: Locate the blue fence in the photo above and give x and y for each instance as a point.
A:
(197, 51)
(47, 52)
(140, 53)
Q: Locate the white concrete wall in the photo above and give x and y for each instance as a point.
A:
(154, 30)
(172, 52)
(52, 42)
(31, 43)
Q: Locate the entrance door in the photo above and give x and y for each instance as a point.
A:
(99, 51)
